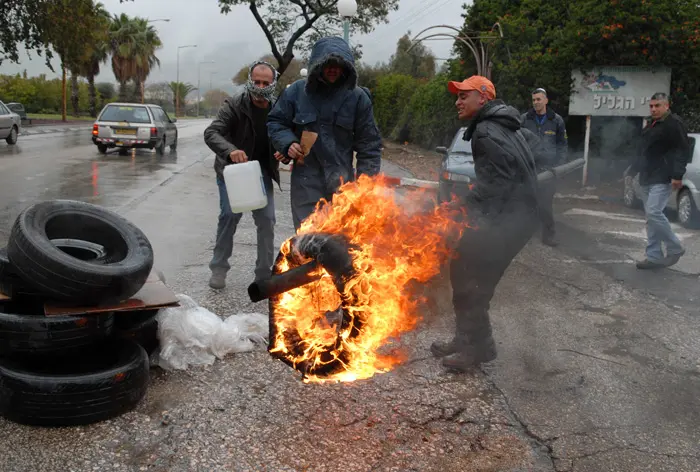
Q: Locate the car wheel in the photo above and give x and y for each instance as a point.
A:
(160, 147)
(102, 149)
(12, 138)
(173, 146)
(629, 196)
(687, 211)
(123, 151)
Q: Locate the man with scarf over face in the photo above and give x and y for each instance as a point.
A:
(329, 103)
(239, 134)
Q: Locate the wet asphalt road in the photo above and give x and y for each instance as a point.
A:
(67, 165)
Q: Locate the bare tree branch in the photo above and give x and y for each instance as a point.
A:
(266, 31)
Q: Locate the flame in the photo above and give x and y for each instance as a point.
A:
(392, 244)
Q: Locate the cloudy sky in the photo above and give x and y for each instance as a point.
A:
(235, 39)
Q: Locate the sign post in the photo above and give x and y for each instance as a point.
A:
(614, 91)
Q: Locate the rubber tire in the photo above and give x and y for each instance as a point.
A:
(62, 277)
(25, 330)
(160, 148)
(694, 218)
(123, 151)
(12, 137)
(113, 387)
(173, 146)
(138, 326)
(102, 149)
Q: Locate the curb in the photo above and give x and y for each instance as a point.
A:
(50, 130)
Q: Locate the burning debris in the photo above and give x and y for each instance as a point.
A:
(339, 292)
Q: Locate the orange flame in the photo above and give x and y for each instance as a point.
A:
(393, 243)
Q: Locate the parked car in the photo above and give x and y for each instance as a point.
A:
(684, 202)
(134, 125)
(19, 109)
(10, 124)
(457, 169)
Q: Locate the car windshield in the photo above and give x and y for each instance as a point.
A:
(15, 107)
(125, 113)
(461, 145)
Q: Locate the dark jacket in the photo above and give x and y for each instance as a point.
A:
(553, 147)
(663, 152)
(340, 113)
(232, 130)
(506, 176)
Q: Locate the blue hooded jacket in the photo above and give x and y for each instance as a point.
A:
(341, 114)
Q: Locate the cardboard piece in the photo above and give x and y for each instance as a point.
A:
(308, 138)
(154, 294)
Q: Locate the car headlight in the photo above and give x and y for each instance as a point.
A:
(451, 176)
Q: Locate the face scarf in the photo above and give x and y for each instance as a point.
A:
(267, 93)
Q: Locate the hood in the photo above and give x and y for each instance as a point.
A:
(496, 111)
(324, 50)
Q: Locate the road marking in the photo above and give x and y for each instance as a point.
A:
(576, 197)
(642, 234)
(603, 214)
(609, 261)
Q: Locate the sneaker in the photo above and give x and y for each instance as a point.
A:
(550, 241)
(646, 264)
(217, 280)
(673, 258)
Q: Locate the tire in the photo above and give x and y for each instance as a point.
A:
(687, 210)
(102, 149)
(173, 146)
(12, 137)
(62, 277)
(97, 385)
(123, 151)
(160, 148)
(629, 197)
(138, 326)
(25, 330)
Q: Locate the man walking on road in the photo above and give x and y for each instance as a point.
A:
(329, 103)
(502, 206)
(239, 134)
(551, 130)
(663, 157)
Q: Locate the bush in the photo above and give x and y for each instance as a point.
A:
(392, 92)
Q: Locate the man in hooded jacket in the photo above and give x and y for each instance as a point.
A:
(502, 209)
(329, 103)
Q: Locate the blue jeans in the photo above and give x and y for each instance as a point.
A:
(228, 222)
(655, 198)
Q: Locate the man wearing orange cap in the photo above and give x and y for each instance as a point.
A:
(502, 209)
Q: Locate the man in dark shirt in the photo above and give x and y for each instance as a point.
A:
(663, 157)
(502, 207)
(239, 134)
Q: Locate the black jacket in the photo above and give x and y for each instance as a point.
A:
(553, 147)
(664, 151)
(506, 176)
(233, 129)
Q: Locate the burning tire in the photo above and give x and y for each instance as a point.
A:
(25, 330)
(332, 253)
(61, 276)
(95, 386)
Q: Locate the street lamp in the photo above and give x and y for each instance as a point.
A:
(167, 20)
(211, 75)
(347, 9)
(199, 96)
(177, 83)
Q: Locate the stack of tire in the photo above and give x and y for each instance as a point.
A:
(73, 370)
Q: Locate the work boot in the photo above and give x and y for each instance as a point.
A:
(218, 279)
(673, 259)
(471, 356)
(444, 348)
(646, 264)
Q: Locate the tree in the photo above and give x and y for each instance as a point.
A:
(287, 22)
(368, 76)
(96, 54)
(213, 100)
(70, 32)
(161, 94)
(419, 62)
(22, 22)
(293, 68)
(145, 58)
(182, 90)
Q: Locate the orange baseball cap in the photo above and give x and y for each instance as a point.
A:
(475, 82)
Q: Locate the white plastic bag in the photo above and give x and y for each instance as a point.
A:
(192, 335)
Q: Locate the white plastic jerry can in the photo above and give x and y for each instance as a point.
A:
(245, 186)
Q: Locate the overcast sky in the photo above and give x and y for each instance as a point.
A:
(235, 39)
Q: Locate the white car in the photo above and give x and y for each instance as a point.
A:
(685, 201)
(10, 124)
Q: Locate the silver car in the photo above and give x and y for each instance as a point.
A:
(457, 169)
(10, 124)
(134, 126)
(684, 201)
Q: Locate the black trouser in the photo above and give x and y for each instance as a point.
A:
(484, 254)
(545, 196)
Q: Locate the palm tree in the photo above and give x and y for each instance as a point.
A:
(97, 55)
(180, 89)
(146, 45)
(123, 37)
